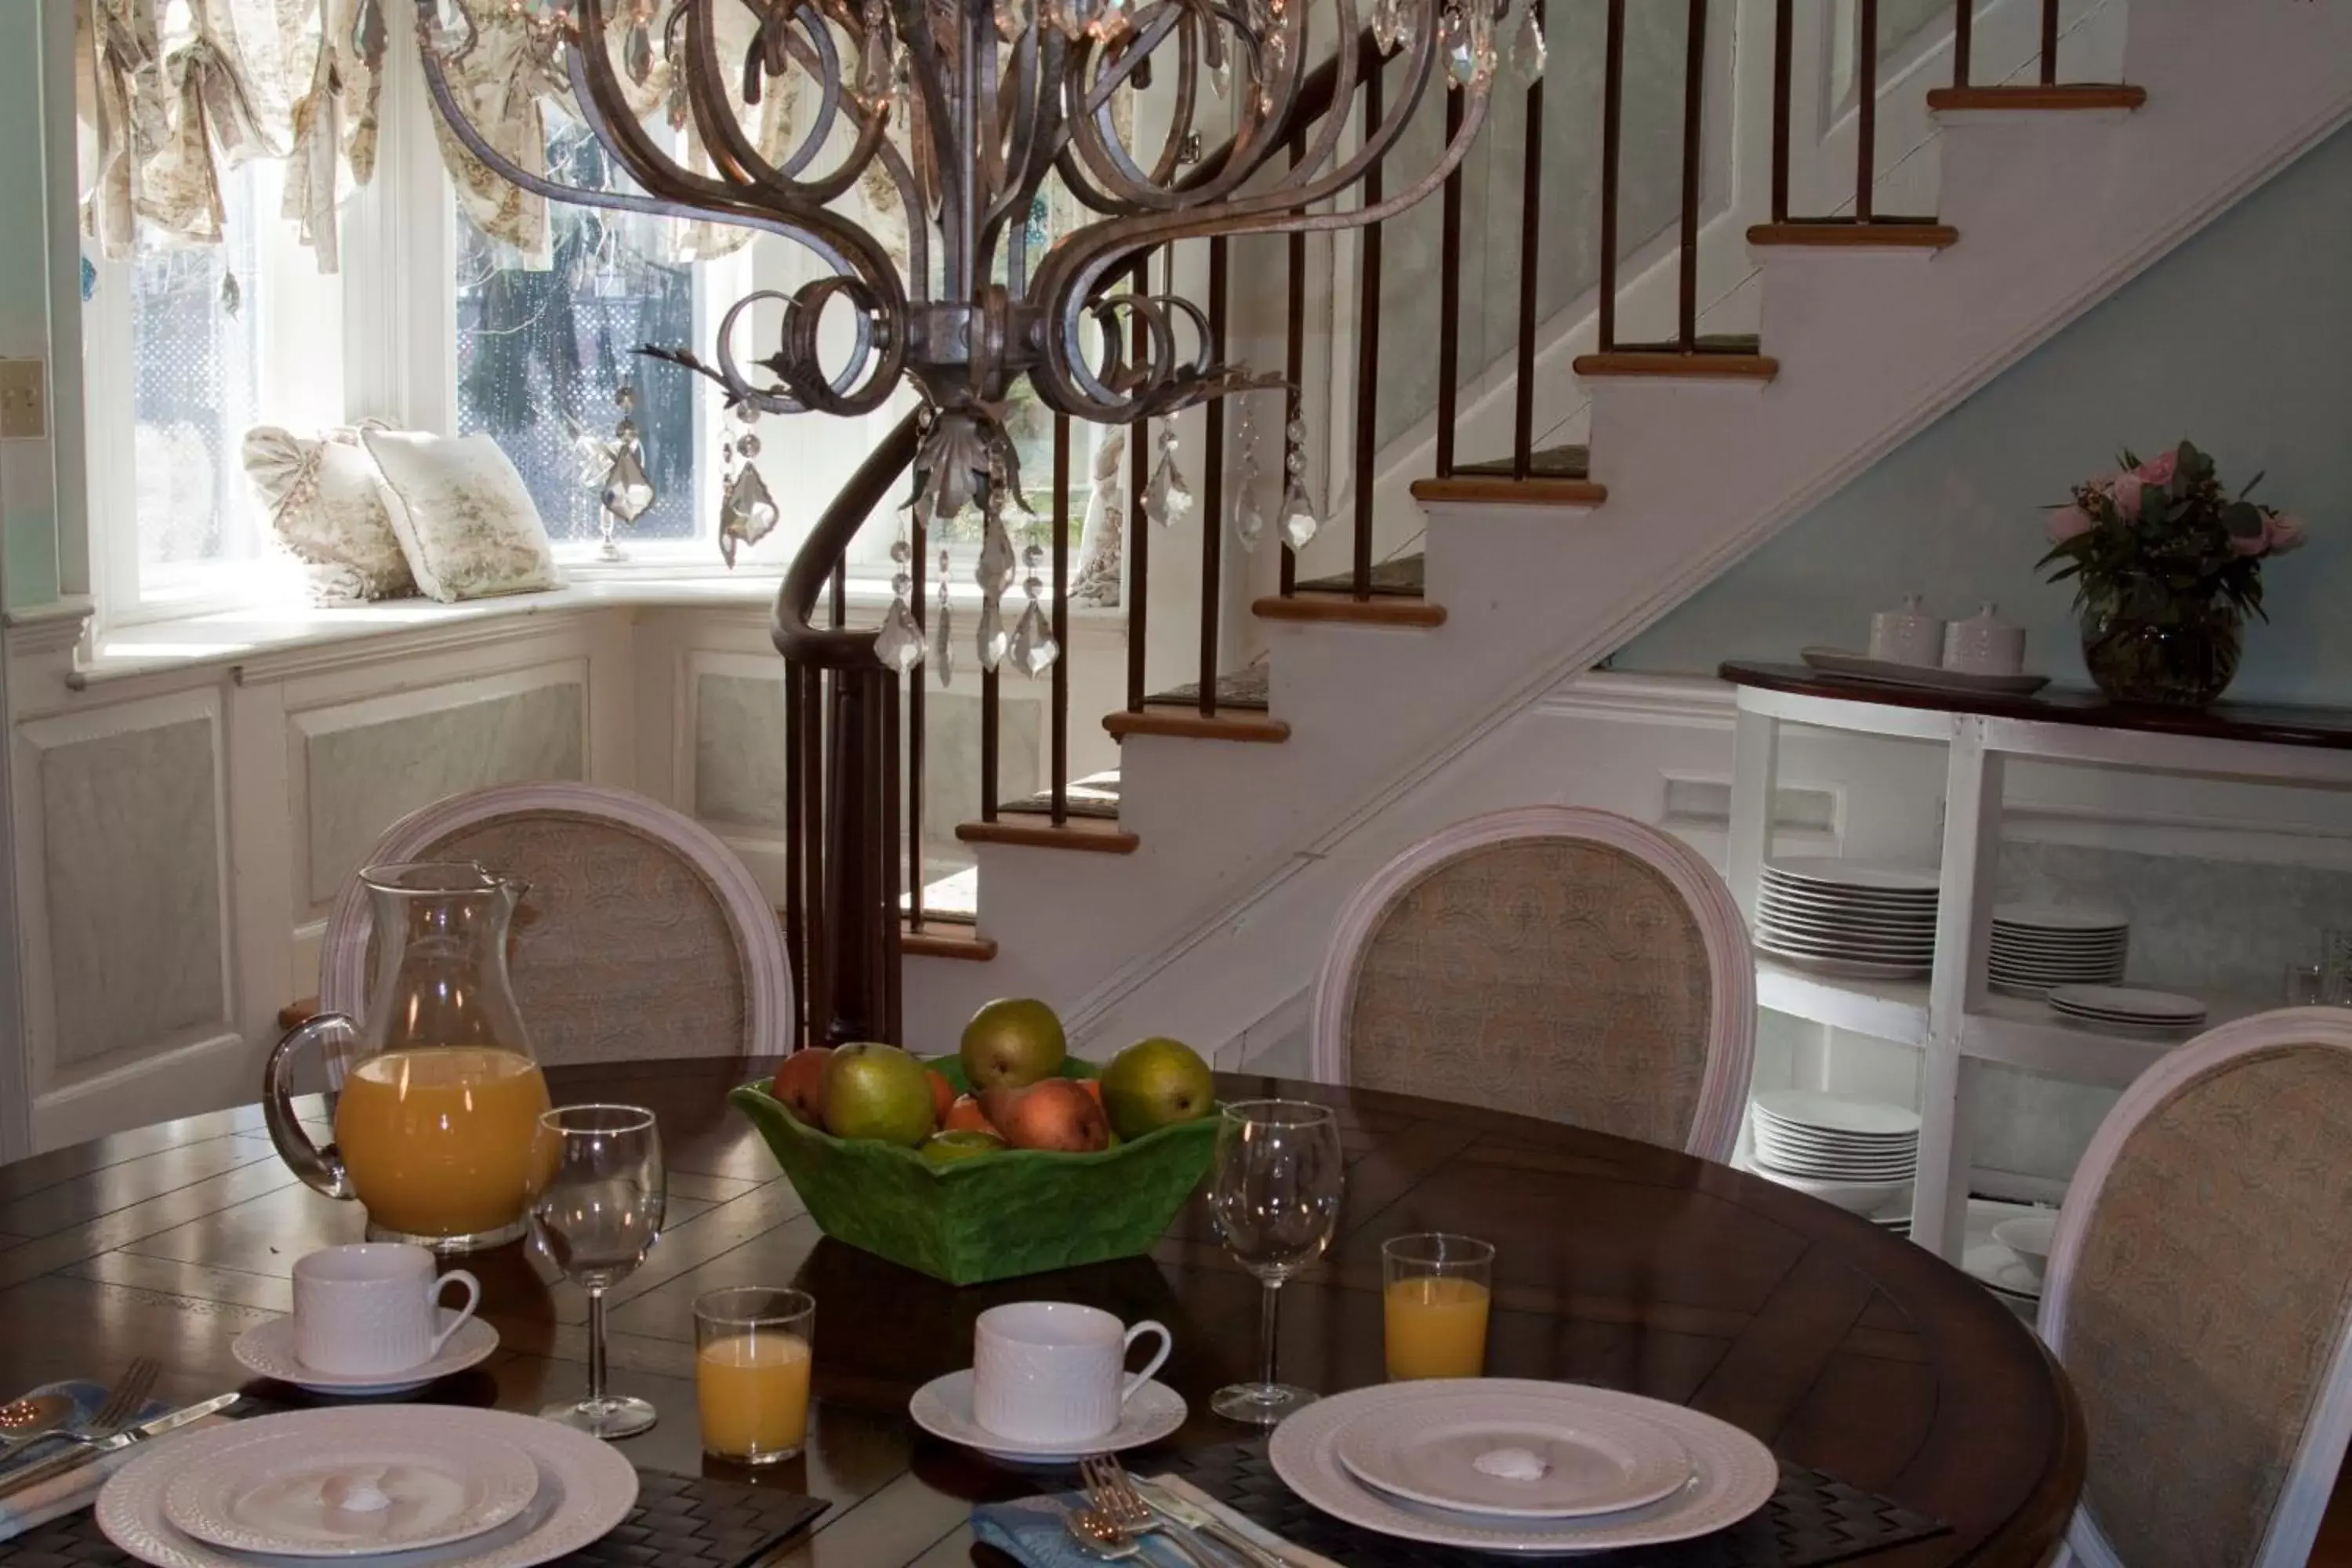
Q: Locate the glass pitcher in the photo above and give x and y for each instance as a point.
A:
(440, 1098)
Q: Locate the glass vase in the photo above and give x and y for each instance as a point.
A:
(2184, 660)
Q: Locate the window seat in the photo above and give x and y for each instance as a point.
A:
(247, 634)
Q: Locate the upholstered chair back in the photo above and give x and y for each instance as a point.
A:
(2198, 1294)
(1556, 961)
(642, 934)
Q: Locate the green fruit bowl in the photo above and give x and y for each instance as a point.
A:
(992, 1216)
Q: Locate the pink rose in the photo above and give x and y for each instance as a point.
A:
(2069, 522)
(2123, 490)
(2158, 470)
(2283, 532)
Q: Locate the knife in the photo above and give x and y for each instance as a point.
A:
(1180, 1509)
(56, 1465)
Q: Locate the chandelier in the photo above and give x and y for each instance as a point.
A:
(967, 109)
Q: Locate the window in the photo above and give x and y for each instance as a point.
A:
(541, 353)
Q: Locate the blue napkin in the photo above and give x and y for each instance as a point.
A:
(1030, 1530)
(64, 1494)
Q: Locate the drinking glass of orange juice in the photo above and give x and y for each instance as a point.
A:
(752, 1346)
(1434, 1292)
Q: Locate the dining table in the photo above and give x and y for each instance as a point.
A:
(1617, 1263)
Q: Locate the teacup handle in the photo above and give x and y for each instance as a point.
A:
(1137, 1380)
(473, 1298)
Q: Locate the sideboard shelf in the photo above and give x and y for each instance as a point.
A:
(1952, 1017)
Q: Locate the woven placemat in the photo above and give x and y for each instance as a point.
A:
(680, 1522)
(1811, 1520)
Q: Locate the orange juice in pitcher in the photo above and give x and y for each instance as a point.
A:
(436, 1121)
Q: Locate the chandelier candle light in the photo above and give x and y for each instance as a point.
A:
(963, 110)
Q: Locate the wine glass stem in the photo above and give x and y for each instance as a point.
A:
(1266, 1321)
(595, 1345)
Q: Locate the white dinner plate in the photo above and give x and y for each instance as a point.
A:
(943, 1408)
(1866, 875)
(1839, 1137)
(1886, 672)
(1990, 1263)
(2128, 1001)
(2059, 918)
(412, 1480)
(1781, 912)
(1844, 968)
(1833, 1148)
(1909, 911)
(1732, 1475)
(268, 1349)
(1866, 1198)
(1848, 931)
(1838, 1113)
(585, 1488)
(1515, 1456)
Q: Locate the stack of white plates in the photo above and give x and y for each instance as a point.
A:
(2127, 1007)
(1507, 1465)
(399, 1485)
(2037, 946)
(1828, 1138)
(1848, 916)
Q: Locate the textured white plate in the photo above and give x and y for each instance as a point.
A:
(1837, 1114)
(268, 1349)
(2128, 1001)
(1990, 1263)
(410, 1481)
(1732, 1476)
(585, 1488)
(943, 1408)
(1844, 968)
(2060, 918)
(1795, 934)
(1886, 672)
(1864, 876)
(1867, 1198)
(1593, 1458)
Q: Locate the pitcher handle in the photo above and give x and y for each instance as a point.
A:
(320, 1168)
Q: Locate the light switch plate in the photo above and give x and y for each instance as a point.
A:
(23, 400)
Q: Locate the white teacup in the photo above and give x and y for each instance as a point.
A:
(1054, 1372)
(373, 1308)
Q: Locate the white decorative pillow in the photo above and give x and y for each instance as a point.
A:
(328, 509)
(464, 520)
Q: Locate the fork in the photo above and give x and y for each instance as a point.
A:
(1114, 1497)
(121, 1407)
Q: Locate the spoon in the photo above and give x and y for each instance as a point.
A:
(1098, 1537)
(22, 1420)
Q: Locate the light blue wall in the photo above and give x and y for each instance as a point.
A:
(2241, 340)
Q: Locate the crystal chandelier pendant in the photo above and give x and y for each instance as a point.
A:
(1388, 23)
(1168, 499)
(1298, 520)
(637, 49)
(994, 573)
(1528, 51)
(943, 629)
(750, 506)
(875, 63)
(991, 641)
(899, 644)
(626, 492)
(1249, 517)
(1012, 19)
(1033, 648)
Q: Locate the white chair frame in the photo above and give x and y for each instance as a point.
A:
(1731, 1024)
(767, 980)
(2303, 1502)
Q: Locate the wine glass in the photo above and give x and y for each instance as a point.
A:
(597, 1215)
(1276, 1195)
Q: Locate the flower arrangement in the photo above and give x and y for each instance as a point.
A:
(2160, 541)
(2166, 565)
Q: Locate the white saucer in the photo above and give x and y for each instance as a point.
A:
(268, 1349)
(943, 1408)
(1990, 1263)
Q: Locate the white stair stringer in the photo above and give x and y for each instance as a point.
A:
(1249, 851)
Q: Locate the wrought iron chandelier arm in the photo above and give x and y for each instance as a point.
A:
(1029, 125)
(939, 122)
(724, 136)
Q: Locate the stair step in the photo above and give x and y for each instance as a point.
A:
(1079, 833)
(1402, 578)
(1557, 476)
(945, 939)
(1844, 233)
(1569, 462)
(1245, 688)
(2037, 95)
(1188, 723)
(1095, 795)
(1669, 360)
(1377, 610)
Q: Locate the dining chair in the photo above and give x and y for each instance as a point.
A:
(2200, 1294)
(1554, 961)
(642, 934)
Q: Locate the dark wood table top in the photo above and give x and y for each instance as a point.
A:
(2281, 724)
(1620, 1264)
